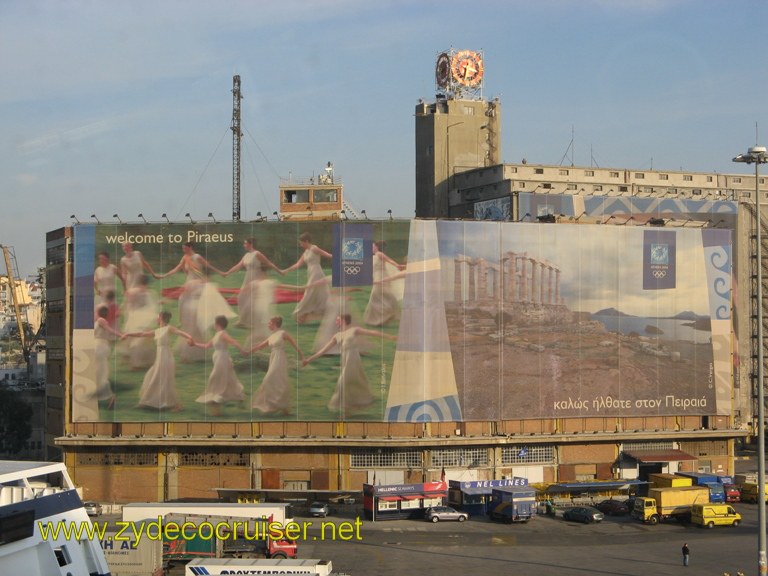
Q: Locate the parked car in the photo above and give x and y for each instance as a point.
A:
(438, 513)
(584, 514)
(320, 509)
(613, 508)
(92, 508)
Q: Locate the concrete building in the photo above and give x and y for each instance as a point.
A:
(459, 174)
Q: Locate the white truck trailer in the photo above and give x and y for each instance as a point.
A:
(217, 566)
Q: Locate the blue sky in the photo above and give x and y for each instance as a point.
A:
(123, 108)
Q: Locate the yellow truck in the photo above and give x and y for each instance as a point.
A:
(711, 515)
(669, 503)
(749, 492)
(663, 480)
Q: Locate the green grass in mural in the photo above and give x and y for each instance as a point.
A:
(313, 384)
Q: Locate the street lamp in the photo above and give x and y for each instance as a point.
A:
(759, 155)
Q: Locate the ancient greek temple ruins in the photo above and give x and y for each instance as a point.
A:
(518, 278)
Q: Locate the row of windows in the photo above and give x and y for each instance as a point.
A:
(214, 459)
(385, 458)
(615, 174)
(136, 458)
(637, 446)
(117, 458)
(366, 458)
(459, 457)
(538, 454)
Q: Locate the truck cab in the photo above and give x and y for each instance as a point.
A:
(732, 493)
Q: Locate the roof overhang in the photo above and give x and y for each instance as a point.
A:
(655, 456)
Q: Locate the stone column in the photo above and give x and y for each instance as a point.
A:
(524, 278)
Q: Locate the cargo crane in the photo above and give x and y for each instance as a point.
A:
(26, 339)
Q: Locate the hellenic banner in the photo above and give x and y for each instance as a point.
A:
(399, 321)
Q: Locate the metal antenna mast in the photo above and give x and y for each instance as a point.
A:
(237, 136)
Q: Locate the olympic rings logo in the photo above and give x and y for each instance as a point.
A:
(352, 270)
(659, 274)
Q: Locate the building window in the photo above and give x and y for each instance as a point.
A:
(737, 180)
(527, 454)
(597, 188)
(571, 187)
(385, 458)
(639, 175)
(521, 184)
(209, 458)
(696, 192)
(663, 176)
(613, 174)
(538, 170)
(459, 457)
(623, 189)
(513, 169)
(589, 172)
(637, 446)
(563, 172)
(469, 111)
(687, 177)
(110, 457)
(709, 178)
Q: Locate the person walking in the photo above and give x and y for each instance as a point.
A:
(686, 554)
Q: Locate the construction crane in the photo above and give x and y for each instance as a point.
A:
(237, 136)
(18, 305)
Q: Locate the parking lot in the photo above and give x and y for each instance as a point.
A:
(543, 546)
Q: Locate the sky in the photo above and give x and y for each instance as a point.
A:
(124, 108)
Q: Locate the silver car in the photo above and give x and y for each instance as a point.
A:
(320, 509)
(92, 508)
(584, 514)
(437, 513)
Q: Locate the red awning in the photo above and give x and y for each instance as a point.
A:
(649, 456)
(390, 498)
(413, 497)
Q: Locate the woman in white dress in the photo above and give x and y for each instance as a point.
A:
(274, 394)
(194, 266)
(132, 266)
(105, 280)
(158, 390)
(254, 263)
(223, 384)
(383, 306)
(103, 335)
(352, 393)
(315, 297)
(139, 314)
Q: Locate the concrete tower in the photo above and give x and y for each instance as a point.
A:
(457, 132)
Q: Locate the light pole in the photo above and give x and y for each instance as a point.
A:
(758, 155)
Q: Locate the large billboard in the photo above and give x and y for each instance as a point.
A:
(399, 321)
